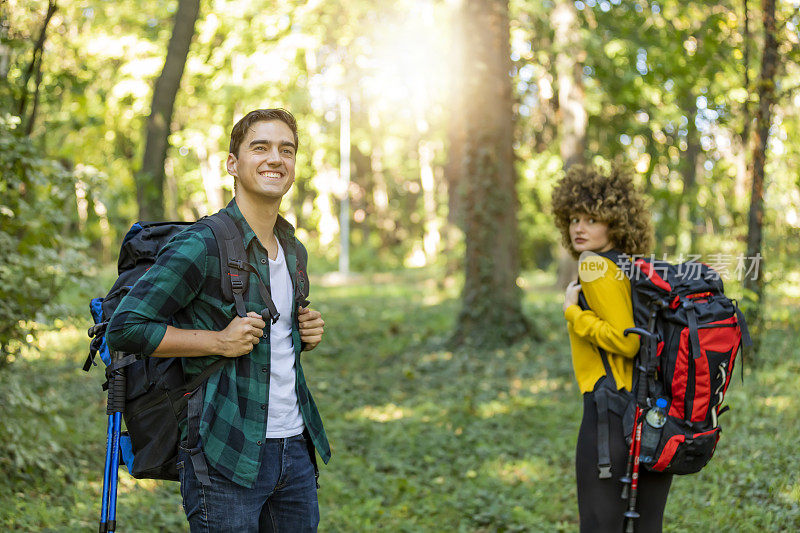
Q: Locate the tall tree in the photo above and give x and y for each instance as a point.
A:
(455, 134)
(754, 284)
(150, 178)
(491, 313)
(457, 75)
(747, 117)
(569, 71)
(686, 205)
(571, 107)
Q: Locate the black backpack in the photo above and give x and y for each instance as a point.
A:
(157, 395)
(691, 334)
(694, 335)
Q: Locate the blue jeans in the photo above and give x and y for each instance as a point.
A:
(283, 498)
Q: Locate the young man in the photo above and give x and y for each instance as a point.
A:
(259, 425)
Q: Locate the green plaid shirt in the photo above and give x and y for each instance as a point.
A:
(183, 288)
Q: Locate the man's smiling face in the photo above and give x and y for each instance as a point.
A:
(265, 163)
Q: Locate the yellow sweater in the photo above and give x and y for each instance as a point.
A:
(603, 325)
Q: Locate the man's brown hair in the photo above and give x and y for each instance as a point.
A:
(260, 115)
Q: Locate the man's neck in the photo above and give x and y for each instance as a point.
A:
(261, 216)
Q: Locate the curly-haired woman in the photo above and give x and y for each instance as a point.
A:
(599, 211)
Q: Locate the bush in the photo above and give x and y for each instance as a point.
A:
(39, 255)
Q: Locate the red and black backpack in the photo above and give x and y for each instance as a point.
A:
(691, 334)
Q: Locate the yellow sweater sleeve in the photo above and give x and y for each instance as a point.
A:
(610, 314)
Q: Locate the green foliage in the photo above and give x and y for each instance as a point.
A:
(40, 257)
(663, 85)
(424, 439)
(47, 439)
(664, 89)
(538, 235)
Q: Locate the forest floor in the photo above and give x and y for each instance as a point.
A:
(423, 438)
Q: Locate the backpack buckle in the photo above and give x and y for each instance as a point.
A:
(236, 263)
(237, 284)
(97, 329)
(605, 471)
(266, 313)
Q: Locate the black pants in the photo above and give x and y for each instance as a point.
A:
(599, 504)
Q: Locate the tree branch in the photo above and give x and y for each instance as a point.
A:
(36, 60)
(788, 19)
(37, 85)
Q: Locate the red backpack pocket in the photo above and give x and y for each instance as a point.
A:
(700, 381)
(682, 450)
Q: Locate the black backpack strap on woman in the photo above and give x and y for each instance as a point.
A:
(607, 398)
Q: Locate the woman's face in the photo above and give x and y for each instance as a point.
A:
(588, 234)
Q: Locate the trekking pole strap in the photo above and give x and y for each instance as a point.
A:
(94, 347)
(96, 332)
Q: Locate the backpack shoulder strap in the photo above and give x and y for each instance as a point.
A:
(602, 395)
(234, 268)
(232, 257)
(623, 261)
(612, 254)
(584, 305)
(301, 284)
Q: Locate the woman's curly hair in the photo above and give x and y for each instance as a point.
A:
(611, 198)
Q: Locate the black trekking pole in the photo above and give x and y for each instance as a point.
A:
(641, 403)
(116, 404)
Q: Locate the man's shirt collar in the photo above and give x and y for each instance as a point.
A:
(283, 229)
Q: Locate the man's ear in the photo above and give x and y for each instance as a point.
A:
(231, 165)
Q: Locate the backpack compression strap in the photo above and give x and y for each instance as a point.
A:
(192, 394)
(234, 266)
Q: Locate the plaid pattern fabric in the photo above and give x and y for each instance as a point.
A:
(183, 288)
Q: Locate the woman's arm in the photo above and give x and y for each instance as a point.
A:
(610, 313)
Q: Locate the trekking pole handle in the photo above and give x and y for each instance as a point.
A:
(642, 332)
(116, 393)
(641, 385)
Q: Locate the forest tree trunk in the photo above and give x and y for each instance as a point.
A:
(572, 111)
(491, 313)
(754, 281)
(150, 179)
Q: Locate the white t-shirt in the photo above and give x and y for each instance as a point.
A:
(283, 419)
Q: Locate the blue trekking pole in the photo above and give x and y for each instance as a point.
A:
(106, 476)
(116, 404)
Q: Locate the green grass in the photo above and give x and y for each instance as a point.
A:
(423, 439)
